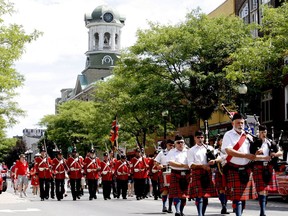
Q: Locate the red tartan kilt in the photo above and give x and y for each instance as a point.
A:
(195, 186)
(218, 179)
(174, 189)
(235, 190)
(272, 186)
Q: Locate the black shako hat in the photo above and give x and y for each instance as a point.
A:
(74, 150)
(178, 137)
(92, 150)
(262, 128)
(237, 116)
(198, 133)
(59, 152)
(42, 149)
(105, 154)
(123, 156)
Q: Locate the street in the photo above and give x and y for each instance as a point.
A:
(11, 204)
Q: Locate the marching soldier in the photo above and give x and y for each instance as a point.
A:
(58, 168)
(202, 185)
(43, 168)
(180, 174)
(162, 164)
(263, 171)
(92, 167)
(237, 171)
(75, 164)
(139, 167)
(122, 171)
(106, 174)
(113, 161)
(155, 173)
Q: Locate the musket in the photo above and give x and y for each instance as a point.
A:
(226, 111)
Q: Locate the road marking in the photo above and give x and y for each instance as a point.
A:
(20, 210)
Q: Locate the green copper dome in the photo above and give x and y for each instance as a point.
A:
(104, 13)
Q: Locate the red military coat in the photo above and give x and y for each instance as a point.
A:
(92, 167)
(106, 170)
(75, 167)
(154, 170)
(43, 167)
(58, 168)
(139, 167)
(122, 170)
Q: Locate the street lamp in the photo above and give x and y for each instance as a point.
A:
(242, 89)
(164, 115)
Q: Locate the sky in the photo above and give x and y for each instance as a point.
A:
(54, 60)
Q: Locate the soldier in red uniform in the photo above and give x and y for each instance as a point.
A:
(106, 173)
(58, 169)
(92, 167)
(113, 161)
(155, 173)
(75, 164)
(139, 168)
(42, 165)
(122, 171)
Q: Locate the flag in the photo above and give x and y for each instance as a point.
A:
(114, 131)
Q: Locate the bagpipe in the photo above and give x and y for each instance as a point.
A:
(209, 153)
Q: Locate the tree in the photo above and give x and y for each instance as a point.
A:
(192, 55)
(76, 123)
(12, 43)
(264, 67)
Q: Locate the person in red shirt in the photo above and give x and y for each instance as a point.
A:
(106, 174)
(21, 172)
(34, 180)
(92, 167)
(13, 178)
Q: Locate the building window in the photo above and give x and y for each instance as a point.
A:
(266, 101)
(244, 12)
(286, 102)
(253, 4)
(96, 41)
(106, 39)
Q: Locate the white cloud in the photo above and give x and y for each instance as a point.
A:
(55, 59)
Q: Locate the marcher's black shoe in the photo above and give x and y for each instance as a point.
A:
(169, 211)
(95, 196)
(224, 211)
(164, 209)
(178, 214)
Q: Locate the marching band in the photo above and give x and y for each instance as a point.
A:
(237, 167)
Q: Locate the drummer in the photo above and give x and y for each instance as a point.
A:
(180, 174)
(161, 162)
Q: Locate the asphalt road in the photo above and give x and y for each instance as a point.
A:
(11, 204)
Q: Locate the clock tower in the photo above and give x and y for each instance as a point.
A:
(104, 35)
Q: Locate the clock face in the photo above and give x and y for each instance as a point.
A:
(108, 17)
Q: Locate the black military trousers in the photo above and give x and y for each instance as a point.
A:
(122, 187)
(106, 185)
(75, 185)
(92, 187)
(60, 190)
(44, 184)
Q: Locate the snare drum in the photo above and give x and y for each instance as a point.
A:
(167, 178)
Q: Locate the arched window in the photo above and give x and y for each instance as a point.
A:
(116, 39)
(106, 39)
(96, 41)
